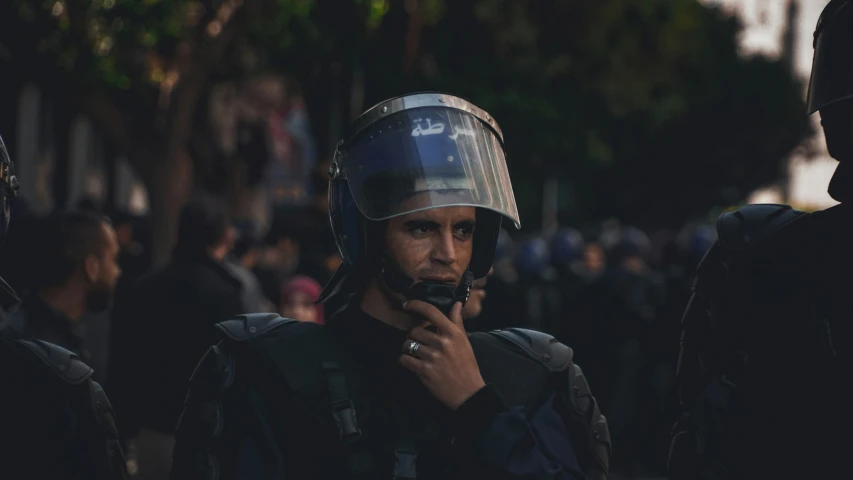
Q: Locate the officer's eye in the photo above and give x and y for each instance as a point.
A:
(420, 228)
(464, 230)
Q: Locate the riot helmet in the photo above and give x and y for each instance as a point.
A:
(9, 186)
(411, 153)
(831, 89)
(632, 242)
(504, 246)
(533, 257)
(567, 245)
(832, 67)
(699, 241)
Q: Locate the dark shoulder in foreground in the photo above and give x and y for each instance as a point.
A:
(756, 224)
(528, 368)
(8, 297)
(285, 342)
(29, 355)
(252, 325)
(519, 363)
(539, 347)
(517, 344)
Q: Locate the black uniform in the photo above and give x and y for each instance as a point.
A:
(764, 370)
(33, 318)
(56, 422)
(283, 399)
(8, 297)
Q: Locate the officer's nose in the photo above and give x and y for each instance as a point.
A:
(445, 248)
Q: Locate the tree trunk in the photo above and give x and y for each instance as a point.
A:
(165, 165)
(414, 31)
(168, 191)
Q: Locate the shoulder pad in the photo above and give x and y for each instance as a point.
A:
(539, 346)
(244, 327)
(752, 224)
(63, 362)
(8, 297)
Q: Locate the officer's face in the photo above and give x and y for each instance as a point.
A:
(108, 271)
(433, 244)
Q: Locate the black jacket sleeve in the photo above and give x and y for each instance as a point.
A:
(514, 442)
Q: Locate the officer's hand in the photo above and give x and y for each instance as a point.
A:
(444, 362)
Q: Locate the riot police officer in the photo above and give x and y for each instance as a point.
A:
(8, 189)
(392, 386)
(538, 281)
(57, 423)
(764, 369)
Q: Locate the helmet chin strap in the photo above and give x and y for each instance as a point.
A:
(441, 295)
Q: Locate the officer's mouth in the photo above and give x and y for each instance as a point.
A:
(449, 280)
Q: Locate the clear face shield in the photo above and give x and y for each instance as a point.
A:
(427, 157)
(420, 152)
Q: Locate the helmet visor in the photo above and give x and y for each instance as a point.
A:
(426, 158)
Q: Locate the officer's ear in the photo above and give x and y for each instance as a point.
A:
(92, 267)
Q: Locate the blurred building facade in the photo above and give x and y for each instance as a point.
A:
(784, 29)
(94, 172)
(262, 124)
(775, 28)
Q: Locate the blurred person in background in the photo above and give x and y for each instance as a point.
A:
(8, 190)
(77, 261)
(133, 263)
(617, 312)
(566, 251)
(638, 286)
(292, 147)
(295, 120)
(281, 254)
(764, 371)
(298, 300)
(132, 257)
(57, 422)
(171, 312)
(538, 282)
(241, 261)
(594, 261)
(503, 304)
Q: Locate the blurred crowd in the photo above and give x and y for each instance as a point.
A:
(614, 293)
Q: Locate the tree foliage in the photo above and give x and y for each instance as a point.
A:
(643, 109)
(142, 70)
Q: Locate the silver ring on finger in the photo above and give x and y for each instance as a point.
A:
(413, 348)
